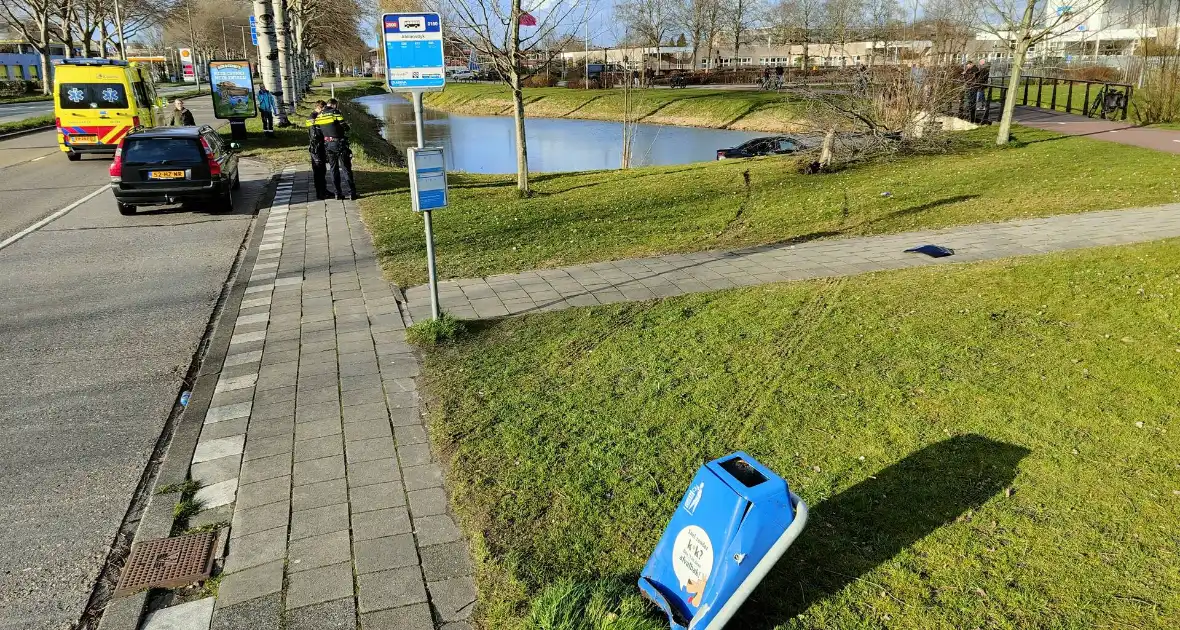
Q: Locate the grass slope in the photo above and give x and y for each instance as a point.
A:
(28, 123)
(582, 217)
(983, 446)
(758, 111)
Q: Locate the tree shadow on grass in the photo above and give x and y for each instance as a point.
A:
(854, 532)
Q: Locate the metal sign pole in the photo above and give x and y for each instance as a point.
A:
(419, 127)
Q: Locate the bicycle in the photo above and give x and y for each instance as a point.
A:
(1107, 101)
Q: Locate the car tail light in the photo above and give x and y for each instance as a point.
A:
(214, 167)
(116, 169)
(721, 155)
(135, 122)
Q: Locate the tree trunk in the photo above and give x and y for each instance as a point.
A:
(46, 67)
(1021, 52)
(286, 93)
(827, 150)
(522, 151)
(737, 30)
(268, 66)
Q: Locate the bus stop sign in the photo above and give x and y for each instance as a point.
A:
(414, 51)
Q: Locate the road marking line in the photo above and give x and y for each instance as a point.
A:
(40, 158)
(51, 218)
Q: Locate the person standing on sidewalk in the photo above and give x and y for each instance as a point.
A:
(266, 108)
(335, 130)
(319, 153)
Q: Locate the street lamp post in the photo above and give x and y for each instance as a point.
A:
(119, 27)
(224, 41)
(192, 38)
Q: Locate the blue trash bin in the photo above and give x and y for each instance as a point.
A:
(733, 524)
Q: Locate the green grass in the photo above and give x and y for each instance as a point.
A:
(432, 332)
(583, 217)
(187, 487)
(1174, 126)
(762, 111)
(26, 98)
(27, 123)
(982, 446)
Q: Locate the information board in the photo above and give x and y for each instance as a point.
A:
(233, 90)
(428, 178)
(414, 51)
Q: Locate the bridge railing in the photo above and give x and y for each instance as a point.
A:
(1073, 96)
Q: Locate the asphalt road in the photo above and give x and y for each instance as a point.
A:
(11, 112)
(100, 315)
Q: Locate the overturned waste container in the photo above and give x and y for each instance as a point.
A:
(733, 524)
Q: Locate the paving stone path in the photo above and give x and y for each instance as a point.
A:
(678, 274)
(314, 446)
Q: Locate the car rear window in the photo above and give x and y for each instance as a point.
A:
(92, 96)
(162, 151)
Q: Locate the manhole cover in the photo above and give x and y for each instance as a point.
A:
(167, 563)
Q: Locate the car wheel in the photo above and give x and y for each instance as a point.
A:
(73, 156)
(225, 203)
(125, 209)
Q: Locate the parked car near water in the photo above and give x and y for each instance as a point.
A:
(768, 145)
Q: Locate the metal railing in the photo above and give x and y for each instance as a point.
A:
(1043, 92)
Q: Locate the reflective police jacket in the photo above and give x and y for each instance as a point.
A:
(315, 137)
(331, 124)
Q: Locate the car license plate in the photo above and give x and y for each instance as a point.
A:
(83, 139)
(166, 175)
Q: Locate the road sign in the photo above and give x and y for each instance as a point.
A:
(428, 181)
(414, 51)
(253, 31)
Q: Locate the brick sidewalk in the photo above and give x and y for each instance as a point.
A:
(314, 446)
(678, 274)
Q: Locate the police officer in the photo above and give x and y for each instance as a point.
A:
(335, 133)
(319, 153)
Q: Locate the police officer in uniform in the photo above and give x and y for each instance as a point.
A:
(335, 129)
(319, 152)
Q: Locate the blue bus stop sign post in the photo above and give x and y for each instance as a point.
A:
(733, 524)
(253, 31)
(414, 63)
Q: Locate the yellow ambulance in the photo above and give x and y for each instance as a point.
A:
(98, 101)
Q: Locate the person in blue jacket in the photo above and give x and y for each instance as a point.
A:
(266, 108)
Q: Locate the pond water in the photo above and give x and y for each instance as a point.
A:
(486, 144)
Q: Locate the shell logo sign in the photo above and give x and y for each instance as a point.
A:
(188, 69)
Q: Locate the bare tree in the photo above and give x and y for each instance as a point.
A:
(648, 22)
(841, 23)
(740, 14)
(881, 22)
(32, 19)
(695, 17)
(492, 28)
(797, 22)
(947, 24)
(1024, 23)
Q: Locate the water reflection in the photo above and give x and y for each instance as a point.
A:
(486, 144)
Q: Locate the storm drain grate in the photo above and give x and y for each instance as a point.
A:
(167, 563)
